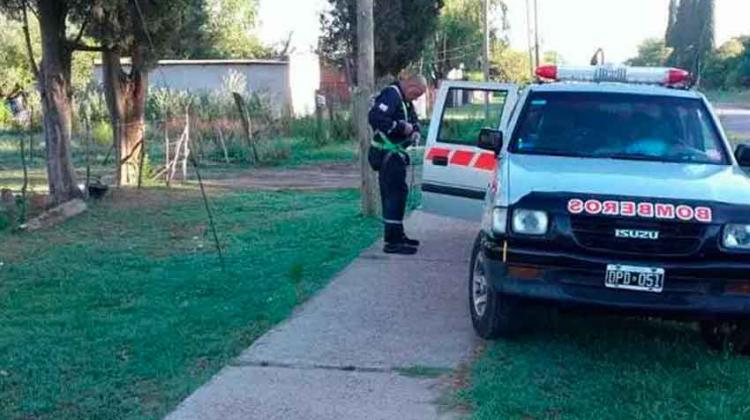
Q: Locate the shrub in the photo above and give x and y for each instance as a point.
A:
(5, 219)
(6, 116)
(342, 127)
(101, 133)
(274, 151)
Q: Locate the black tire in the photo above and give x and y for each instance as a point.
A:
(502, 315)
(731, 336)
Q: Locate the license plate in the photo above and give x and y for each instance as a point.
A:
(643, 279)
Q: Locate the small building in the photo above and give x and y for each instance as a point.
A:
(289, 84)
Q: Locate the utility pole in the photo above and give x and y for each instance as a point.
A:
(536, 32)
(365, 86)
(486, 40)
(528, 39)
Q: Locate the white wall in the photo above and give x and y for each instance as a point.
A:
(304, 81)
(293, 92)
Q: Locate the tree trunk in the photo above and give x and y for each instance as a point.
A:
(126, 94)
(56, 93)
(365, 86)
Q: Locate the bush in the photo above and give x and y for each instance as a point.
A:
(274, 151)
(5, 219)
(342, 127)
(101, 133)
(6, 116)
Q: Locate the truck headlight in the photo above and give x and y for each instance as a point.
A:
(499, 220)
(737, 237)
(530, 222)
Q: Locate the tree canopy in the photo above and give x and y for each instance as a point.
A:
(728, 67)
(651, 52)
(690, 33)
(15, 68)
(230, 28)
(402, 29)
(459, 36)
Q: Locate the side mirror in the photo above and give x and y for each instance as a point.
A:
(491, 140)
(743, 155)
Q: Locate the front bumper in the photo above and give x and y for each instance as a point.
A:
(692, 289)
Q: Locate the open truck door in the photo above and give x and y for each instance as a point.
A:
(456, 172)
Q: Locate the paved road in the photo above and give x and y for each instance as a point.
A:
(736, 120)
(340, 355)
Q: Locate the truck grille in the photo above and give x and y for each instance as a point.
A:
(675, 238)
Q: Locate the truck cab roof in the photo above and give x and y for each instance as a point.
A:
(613, 87)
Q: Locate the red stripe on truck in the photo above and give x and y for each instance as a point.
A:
(438, 152)
(486, 161)
(462, 158)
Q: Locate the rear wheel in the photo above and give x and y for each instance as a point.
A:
(733, 336)
(493, 315)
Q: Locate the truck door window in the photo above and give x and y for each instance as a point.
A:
(467, 111)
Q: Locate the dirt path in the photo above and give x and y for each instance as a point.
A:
(314, 177)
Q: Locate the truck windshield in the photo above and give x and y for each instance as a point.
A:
(618, 126)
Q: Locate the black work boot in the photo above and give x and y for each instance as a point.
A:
(394, 241)
(410, 242)
(399, 248)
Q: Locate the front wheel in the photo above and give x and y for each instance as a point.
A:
(733, 336)
(493, 315)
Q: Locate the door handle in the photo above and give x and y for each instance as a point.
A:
(440, 160)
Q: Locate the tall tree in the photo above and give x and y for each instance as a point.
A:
(651, 52)
(194, 39)
(671, 20)
(231, 26)
(458, 39)
(53, 75)
(402, 28)
(692, 34)
(143, 31)
(15, 69)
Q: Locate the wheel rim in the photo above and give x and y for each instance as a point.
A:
(479, 292)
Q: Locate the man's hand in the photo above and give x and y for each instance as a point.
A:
(408, 129)
(415, 138)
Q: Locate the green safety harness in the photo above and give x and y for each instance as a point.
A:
(389, 146)
(385, 143)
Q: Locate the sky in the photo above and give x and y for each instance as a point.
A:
(574, 28)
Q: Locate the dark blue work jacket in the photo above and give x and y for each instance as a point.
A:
(389, 114)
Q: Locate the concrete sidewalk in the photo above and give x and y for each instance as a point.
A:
(340, 355)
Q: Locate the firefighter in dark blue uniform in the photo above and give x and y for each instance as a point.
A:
(396, 127)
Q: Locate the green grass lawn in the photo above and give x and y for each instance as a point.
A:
(122, 312)
(599, 367)
(736, 97)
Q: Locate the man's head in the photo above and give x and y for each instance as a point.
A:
(413, 86)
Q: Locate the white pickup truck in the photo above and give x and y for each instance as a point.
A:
(602, 188)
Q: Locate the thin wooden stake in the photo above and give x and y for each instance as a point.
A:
(186, 146)
(141, 158)
(31, 134)
(87, 124)
(25, 186)
(166, 152)
(223, 144)
(209, 213)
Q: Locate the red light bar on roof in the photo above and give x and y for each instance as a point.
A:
(637, 75)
